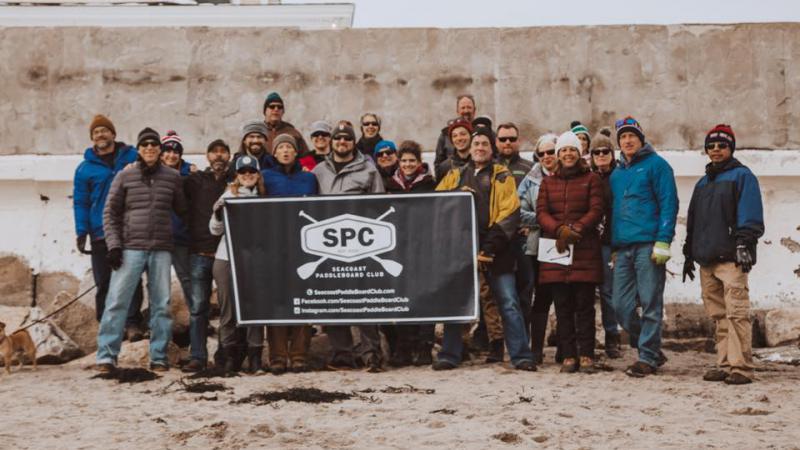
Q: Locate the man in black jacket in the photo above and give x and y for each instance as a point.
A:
(202, 189)
(724, 223)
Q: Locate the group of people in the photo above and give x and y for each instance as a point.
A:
(145, 209)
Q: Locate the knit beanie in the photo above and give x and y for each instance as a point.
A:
(255, 126)
(483, 120)
(567, 139)
(722, 133)
(482, 131)
(147, 134)
(602, 139)
(273, 97)
(383, 145)
(458, 123)
(280, 139)
(101, 121)
(172, 142)
(629, 124)
(579, 128)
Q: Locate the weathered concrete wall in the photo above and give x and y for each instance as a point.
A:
(678, 80)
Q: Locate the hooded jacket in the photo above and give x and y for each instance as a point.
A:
(725, 211)
(295, 183)
(503, 210)
(217, 227)
(359, 176)
(528, 192)
(573, 197)
(90, 188)
(644, 200)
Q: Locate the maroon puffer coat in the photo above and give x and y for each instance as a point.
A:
(573, 197)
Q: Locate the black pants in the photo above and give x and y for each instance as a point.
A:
(543, 296)
(101, 272)
(408, 336)
(575, 317)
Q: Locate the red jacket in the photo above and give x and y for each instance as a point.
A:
(573, 197)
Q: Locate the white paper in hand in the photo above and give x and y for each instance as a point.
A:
(549, 254)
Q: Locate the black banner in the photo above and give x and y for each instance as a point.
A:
(353, 259)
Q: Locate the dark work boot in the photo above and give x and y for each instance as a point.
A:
(234, 357)
(613, 346)
(422, 355)
(254, 360)
(496, 351)
(538, 331)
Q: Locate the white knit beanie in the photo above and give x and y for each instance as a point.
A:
(568, 139)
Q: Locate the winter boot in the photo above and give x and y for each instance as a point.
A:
(538, 331)
(254, 360)
(234, 358)
(613, 346)
(496, 351)
(422, 355)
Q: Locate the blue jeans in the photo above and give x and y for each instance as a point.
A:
(183, 269)
(198, 304)
(504, 292)
(120, 292)
(102, 277)
(636, 276)
(524, 276)
(607, 314)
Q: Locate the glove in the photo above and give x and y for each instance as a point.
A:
(661, 253)
(688, 269)
(81, 243)
(743, 258)
(565, 237)
(218, 213)
(484, 261)
(114, 258)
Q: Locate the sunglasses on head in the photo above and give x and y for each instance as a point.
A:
(546, 152)
(507, 139)
(146, 144)
(275, 106)
(370, 124)
(343, 137)
(247, 171)
(719, 145)
(626, 121)
(601, 151)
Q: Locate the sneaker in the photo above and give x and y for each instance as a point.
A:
(738, 378)
(159, 367)
(443, 365)
(587, 365)
(715, 375)
(528, 366)
(194, 365)
(496, 351)
(640, 369)
(570, 365)
(134, 333)
(105, 367)
(374, 364)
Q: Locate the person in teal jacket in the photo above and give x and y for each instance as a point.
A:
(643, 214)
(91, 183)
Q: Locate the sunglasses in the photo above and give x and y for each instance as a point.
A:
(275, 106)
(507, 139)
(170, 150)
(370, 124)
(247, 171)
(382, 154)
(150, 144)
(601, 151)
(343, 137)
(546, 152)
(319, 135)
(715, 145)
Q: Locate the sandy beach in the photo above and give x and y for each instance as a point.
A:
(478, 406)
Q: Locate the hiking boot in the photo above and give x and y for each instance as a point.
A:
(105, 368)
(254, 364)
(496, 351)
(715, 375)
(423, 356)
(613, 347)
(374, 364)
(277, 367)
(194, 365)
(528, 366)
(443, 365)
(342, 362)
(299, 367)
(234, 356)
(159, 367)
(570, 365)
(738, 378)
(134, 332)
(587, 365)
(640, 369)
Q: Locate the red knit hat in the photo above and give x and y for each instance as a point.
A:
(459, 123)
(722, 133)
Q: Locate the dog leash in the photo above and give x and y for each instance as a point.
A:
(58, 310)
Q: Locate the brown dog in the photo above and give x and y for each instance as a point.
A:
(18, 343)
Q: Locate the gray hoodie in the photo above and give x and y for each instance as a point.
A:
(359, 176)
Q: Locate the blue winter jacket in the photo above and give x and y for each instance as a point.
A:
(90, 188)
(295, 183)
(644, 200)
(180, 232)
